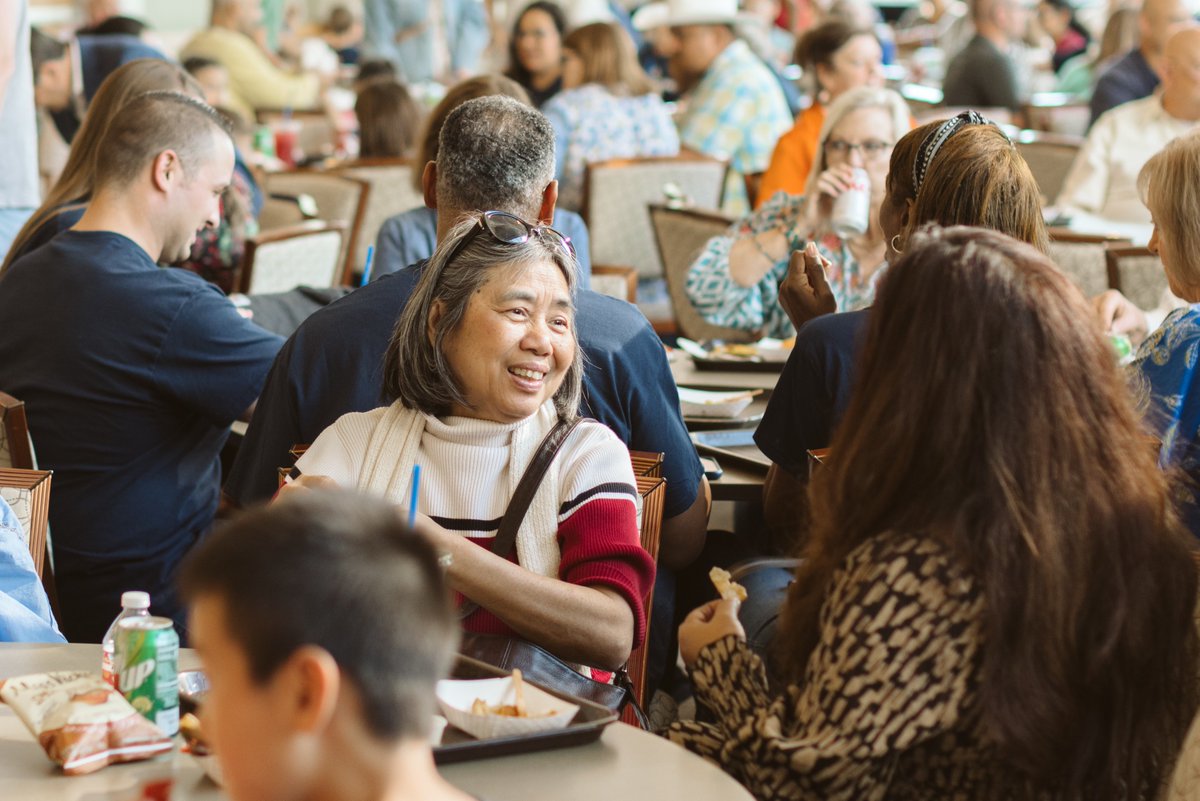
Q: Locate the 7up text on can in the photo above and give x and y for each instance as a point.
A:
(147, 656)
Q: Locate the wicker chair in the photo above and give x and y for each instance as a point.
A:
(617, 192)
(1138, 274)
(339, 198)
(1083, 257)
(391, 193)
(306, 254)
(1050, 157)
(681, 234)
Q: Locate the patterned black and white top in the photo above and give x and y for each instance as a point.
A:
(889, 706)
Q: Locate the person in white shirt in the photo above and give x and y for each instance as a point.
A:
(1103, 179)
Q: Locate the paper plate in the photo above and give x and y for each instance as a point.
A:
(703, 403)
(546, 712)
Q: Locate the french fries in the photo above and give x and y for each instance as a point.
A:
(727, 588)
(513, 710)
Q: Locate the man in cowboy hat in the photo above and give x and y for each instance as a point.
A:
(736, 111)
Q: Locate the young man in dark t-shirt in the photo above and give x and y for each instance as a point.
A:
(132, 373)
(982, 74)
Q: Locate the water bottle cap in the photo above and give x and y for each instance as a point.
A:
(135, 600)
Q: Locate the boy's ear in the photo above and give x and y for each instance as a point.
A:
(308, 684)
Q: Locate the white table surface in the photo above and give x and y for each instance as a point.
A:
(625, 765)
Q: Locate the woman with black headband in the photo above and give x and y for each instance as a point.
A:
(963, 171)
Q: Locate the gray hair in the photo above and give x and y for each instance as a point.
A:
(415, 369)
(495, 153)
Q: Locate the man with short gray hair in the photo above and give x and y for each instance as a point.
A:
(495, 154)
(132, 373)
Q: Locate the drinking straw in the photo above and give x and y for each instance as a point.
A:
(367, 267)
(1171, 433)
(416, 484)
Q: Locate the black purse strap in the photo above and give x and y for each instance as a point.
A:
(527, 487)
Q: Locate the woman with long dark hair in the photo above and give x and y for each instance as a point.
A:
(996, 599)
(535, 52)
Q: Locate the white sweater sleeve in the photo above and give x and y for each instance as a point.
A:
(338, 451)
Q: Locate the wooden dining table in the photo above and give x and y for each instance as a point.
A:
(626, 763)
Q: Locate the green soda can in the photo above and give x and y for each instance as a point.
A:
(264, 141)
(147, 658)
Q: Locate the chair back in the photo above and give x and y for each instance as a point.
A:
(615, 281)
(339, 198)
(1138, 274)
(16, 449)
(306, 254)
(28, 493)
(1049, 157)
(391, 193)
(617, 192)
(680, 235)
(1083, 258)
(652, 487)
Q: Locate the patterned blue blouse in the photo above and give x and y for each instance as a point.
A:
(722, 301)
(592, 124)
(1167, 363)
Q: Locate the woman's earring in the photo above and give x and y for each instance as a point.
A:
(895, 246)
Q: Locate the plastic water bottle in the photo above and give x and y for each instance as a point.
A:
(133, 604)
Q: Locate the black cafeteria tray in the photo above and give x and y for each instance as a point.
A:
(747, 365)
(458, 746)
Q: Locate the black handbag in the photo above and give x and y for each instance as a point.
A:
(536, 663)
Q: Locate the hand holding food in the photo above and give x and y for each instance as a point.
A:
(804, 292)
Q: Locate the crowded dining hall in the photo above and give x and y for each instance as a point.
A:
(659, 399)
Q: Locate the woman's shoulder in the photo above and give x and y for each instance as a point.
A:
(1179, 333)
(595, 445)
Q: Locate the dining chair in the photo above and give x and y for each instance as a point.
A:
(652, 488)
(1137, 274)
(308, 254)
(339, 198)
(1083, 257)
(617, 192)
(391, 192)
(27, 492)
(615, 281)
(680, 234)
(1049, 157)
(16, 448)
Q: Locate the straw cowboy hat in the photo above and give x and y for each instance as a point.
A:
(674, 13)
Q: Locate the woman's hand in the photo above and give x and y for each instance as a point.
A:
(804, 293)
(706, 625)
(834, 181)
(305, 483)
(1119, 315)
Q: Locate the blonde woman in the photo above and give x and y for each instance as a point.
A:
(735, 280)
(608, 108)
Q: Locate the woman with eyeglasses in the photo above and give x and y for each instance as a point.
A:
(735, 280)
(997, 598)
(959, 171)
(482, 367)
(836, 57)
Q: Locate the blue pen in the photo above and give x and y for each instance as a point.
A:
(367, 267)
(412, 505)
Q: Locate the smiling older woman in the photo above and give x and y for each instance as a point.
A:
(483, 364)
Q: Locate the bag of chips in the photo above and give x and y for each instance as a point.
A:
(81, 721)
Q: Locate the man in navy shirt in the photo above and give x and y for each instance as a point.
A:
(1137, 74)
(132, 373)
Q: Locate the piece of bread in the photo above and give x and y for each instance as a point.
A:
(727, 588)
